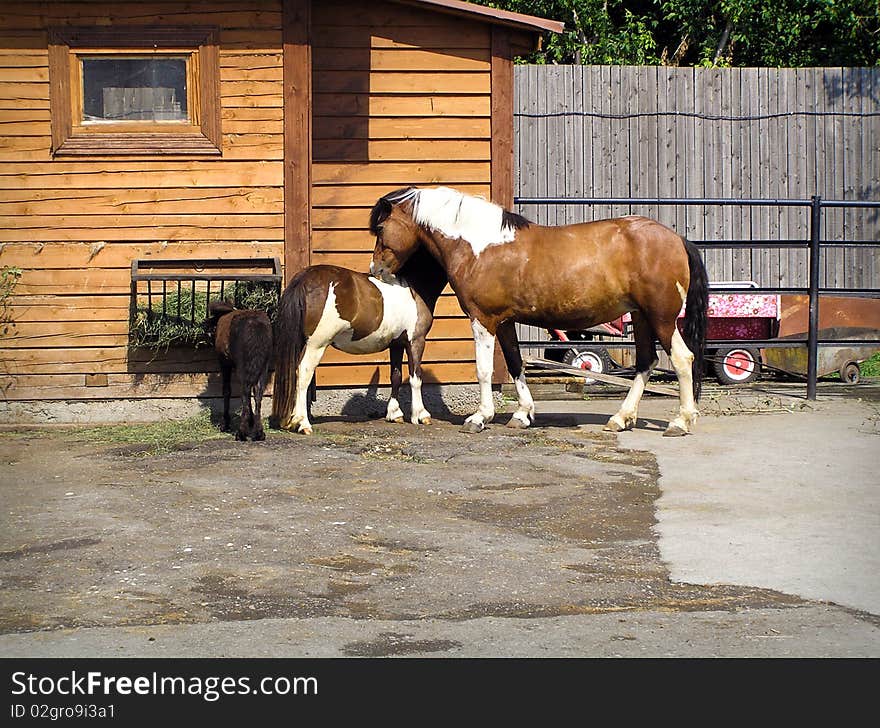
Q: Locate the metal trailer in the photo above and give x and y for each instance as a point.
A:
(743, 317)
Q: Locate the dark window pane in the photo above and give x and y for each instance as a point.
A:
(134, 89)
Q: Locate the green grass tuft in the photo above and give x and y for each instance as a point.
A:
(871, 367)
(157, 438)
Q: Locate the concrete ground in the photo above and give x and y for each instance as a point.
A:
(757, 536)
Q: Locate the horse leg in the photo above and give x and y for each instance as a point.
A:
(414, 351)
(305, 370)
(484, 343)
(682, 361)
(507, 338)
(226, 373)
(394, 413)
(646, 359)
(258, 433)
(246, 416)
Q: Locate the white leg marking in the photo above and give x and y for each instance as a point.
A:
(484, 343)
(304, 372)
(628, 414)
(394, 413)
(526, 411)
(420, 416)
(682, 362)
(328, 327)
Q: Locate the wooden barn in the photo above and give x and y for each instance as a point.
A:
(220, 130)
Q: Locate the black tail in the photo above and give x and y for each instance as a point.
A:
(696, 313)
(290, 341)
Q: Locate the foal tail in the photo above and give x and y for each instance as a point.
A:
(290, 341)
(696, 313)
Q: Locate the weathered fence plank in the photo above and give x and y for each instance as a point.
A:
(603, 131)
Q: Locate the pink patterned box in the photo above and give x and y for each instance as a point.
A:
(741, 316)
(744, 305)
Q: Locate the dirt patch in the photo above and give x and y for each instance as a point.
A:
(366, 520)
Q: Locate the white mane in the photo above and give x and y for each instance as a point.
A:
(455, 215)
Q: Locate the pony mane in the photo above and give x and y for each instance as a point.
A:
(474, 219)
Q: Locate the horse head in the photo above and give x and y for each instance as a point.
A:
(397, 233)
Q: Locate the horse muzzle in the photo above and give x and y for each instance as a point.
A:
(381, 271)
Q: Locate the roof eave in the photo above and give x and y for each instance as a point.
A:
(491, 15)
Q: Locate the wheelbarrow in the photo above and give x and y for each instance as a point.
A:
(844, 360)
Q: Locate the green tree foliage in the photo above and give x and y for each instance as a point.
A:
(774, 33)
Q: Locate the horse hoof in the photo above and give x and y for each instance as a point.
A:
(471, 428)
(516, 424)
(613, 426)
(305, 430)
(674, 431)
(397, 420)
(426, 421)
(240, 436)
(259, 437)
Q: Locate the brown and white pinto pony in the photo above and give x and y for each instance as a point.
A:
(506, 270)
(326, 305)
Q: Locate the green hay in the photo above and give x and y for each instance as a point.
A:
(150, 329)
(156, 438)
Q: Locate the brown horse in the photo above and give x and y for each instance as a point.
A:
(505, 270)
(325, 305)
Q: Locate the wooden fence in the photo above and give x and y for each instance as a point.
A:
(658, 132)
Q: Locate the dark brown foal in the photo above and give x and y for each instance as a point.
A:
(243, 342)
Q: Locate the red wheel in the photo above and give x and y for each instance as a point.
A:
(594, 361)
(737, 366)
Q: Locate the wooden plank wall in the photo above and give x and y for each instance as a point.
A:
(396, 103)
(74, 226)
(604, 131)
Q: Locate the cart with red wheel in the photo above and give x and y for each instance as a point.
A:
(742, 317)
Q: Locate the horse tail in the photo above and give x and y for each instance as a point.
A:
(696, 313)
(290, 341)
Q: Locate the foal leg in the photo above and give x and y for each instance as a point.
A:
(646, 359)
(257, 433)
(414, 351)
(484, 343)
(682, 361)
(305, 370)
(246, 417)
(525, 414)
(226, 373)
(394, 413)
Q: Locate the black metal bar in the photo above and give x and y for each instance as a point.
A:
(711, 344)
(813, 328)
(149, 301)
(693, 201)
(192, 304)
(206, 277)
(814, 291)
(179, 302)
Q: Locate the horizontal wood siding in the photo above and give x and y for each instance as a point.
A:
(73, 226)
(396, 103)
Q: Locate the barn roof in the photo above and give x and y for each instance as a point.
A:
(491, 15)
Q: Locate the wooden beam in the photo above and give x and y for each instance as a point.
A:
(502, 143)
(502, 117)
(296, 40)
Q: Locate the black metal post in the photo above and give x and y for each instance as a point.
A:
(813, 329)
